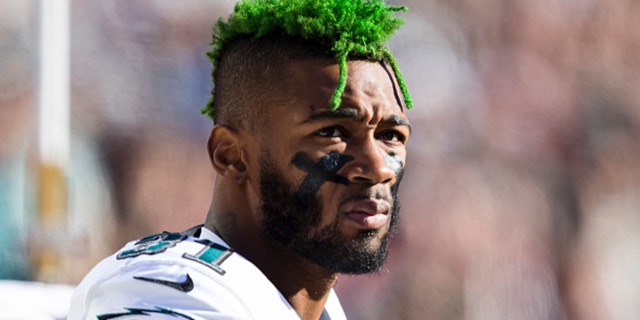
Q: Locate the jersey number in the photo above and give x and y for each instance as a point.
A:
(152, 244)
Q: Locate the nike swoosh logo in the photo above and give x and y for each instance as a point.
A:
(184, 286)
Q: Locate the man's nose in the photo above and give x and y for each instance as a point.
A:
(371, 164)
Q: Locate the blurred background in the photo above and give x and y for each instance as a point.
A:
(521, 198)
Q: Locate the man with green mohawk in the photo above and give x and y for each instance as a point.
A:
(309, 145)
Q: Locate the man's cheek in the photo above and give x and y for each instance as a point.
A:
(324, 170)
(394, 162)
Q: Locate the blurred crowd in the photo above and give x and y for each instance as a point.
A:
(522, 189)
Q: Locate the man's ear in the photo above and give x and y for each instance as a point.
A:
(225, 153)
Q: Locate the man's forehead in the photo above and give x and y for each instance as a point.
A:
(367, 83)
(360, 115)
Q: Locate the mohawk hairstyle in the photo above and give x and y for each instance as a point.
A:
(347, 28)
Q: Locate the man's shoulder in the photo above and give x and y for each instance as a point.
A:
(177, 271)
(181, 248)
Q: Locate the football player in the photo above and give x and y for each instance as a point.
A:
(309, 144)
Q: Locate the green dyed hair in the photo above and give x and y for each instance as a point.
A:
(347, 28)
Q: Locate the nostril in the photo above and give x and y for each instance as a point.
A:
(387, 180)
(371, 179)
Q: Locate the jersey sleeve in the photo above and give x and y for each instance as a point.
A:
(176, 276)
(154, 287)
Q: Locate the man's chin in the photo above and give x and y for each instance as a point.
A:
(359, 256)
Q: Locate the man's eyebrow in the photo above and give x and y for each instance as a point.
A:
(335, 114)
(398, 121)
(352, 114)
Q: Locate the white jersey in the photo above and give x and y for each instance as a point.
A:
(180, 276)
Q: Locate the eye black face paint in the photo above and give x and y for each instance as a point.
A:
(318, 173)
(292, 213)
(394, 162)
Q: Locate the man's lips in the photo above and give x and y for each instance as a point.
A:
(368, 213)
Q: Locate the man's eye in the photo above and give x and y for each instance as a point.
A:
(331, 132)
(392, 136)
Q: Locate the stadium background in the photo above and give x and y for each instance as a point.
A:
(522, 189)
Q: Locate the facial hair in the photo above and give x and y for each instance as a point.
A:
(293, 219)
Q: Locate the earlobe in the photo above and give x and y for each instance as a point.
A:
(225, 152)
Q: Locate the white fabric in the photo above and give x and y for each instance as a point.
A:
(242, 292)
(22, 300)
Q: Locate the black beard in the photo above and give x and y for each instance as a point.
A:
(293, 218)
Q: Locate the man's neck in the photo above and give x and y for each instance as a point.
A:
(303, 283)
